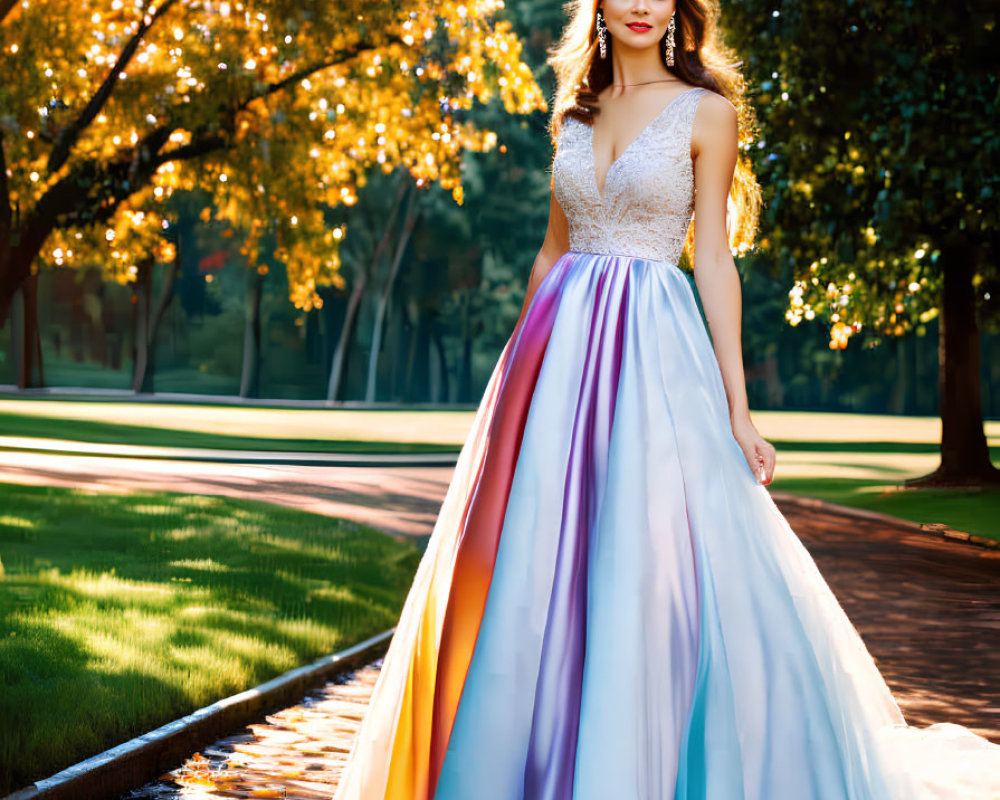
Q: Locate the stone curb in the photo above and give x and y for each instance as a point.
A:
(126, 766)
(938, 530)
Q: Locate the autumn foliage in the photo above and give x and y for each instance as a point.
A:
(277, 109)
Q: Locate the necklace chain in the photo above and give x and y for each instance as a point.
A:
(644, 83)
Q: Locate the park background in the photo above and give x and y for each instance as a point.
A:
(293, 283)
(437, 303)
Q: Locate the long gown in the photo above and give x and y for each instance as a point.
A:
(610, 606)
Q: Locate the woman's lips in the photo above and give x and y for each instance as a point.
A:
(639, 27)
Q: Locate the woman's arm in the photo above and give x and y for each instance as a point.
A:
(715, 145)
(555, 244)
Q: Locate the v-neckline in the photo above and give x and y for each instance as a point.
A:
(593, 155)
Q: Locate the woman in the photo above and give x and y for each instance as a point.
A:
(610, 605)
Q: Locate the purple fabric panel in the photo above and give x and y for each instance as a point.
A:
(551, 753)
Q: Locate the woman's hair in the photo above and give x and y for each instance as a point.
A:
(701, 59)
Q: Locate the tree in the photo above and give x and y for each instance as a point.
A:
(271, 108)
(410, 216)
(881, 159)
(373, 221)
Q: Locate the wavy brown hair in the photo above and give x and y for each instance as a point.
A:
(701, 59)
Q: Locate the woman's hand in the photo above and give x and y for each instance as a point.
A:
(759, 453)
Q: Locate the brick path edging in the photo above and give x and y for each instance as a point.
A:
(131, 764)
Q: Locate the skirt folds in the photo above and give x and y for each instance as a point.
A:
(611, 605)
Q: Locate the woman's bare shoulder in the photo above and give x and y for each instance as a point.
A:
(718, 107)
(716, 122)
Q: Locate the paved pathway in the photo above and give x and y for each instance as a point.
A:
(928, 609)
(298, 753)
(401, 500)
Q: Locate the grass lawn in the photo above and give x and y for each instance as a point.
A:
(119, 613)
(862, 460)
(229, 428)
(974, 512)
(204, 425)
(855, 459)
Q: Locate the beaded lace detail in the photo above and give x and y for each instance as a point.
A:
(647, 202)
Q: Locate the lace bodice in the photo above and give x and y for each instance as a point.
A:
(647, 202)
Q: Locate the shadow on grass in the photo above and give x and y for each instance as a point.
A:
(100, 432)
(145, 436)
(974, 511)
(119, 613)
(914, 448)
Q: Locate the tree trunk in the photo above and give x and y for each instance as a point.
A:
(21, 241)
(144, 377)
(464, 388)
(141, 293)
(18, 249)
(773, 386)
(439, 373)
(465, 382)
(417, 385)
(409, 220)
(166, 298)
(965, 459)
(402, 353)
(346, 334)
(27, 336)
(899, 392)
(250, 380)
(340, 356)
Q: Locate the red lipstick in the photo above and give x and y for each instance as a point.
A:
(639, 27)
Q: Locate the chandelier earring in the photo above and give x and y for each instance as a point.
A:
(669, 40)
(602, 36)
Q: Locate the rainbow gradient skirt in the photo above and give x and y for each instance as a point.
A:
(611, 607)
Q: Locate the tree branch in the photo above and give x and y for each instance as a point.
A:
(115, 181)
(192, 149)
(124, 177)
(69, 135)
(305, 72)
(6, 6)
(5, 211)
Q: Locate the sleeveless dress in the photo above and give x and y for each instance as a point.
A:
(610, 606)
